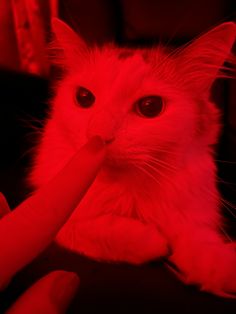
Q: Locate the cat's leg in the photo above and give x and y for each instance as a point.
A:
(205, 259)
(114, 238)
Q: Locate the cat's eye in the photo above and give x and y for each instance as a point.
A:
(149, 106)
(84, 97)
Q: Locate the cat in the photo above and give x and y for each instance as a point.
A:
(156, 194)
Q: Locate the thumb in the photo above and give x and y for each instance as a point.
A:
(52, 294)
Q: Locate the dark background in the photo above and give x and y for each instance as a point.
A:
(107, 288)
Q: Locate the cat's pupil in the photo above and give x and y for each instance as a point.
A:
(149, 106)
(84, 97)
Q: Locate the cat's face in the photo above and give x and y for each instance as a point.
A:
(150, 107)
(139, 112)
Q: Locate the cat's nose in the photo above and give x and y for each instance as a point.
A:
(104, 125)
(107, 139)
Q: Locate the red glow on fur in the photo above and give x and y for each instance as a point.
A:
(157, 188)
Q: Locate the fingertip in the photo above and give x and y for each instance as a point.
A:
(95, 144)
(51, 294)
(63, 290)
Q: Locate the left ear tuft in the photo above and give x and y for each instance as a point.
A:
(68, 45)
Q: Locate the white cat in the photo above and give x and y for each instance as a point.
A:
(156, 195)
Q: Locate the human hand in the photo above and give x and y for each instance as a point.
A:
(31, 227)
(51, 294)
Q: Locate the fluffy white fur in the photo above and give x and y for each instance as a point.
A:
(156, 194)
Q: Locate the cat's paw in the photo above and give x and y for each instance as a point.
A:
(229, 286)
(144, 243)
(228, 271)
(115, 239)
(212, 269)
(221, 276)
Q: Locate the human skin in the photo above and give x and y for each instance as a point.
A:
(32, 226)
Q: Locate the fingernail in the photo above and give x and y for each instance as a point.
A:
(64, 289)
(95, 144)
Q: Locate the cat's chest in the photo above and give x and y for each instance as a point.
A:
(118, 199)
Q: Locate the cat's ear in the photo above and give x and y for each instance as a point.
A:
(201, 61)
(68, 46)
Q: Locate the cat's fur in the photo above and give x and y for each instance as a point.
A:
(156, 195)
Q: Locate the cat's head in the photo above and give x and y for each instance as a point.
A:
(150, 105)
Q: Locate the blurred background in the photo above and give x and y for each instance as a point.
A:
(25, 73)
(25, 24)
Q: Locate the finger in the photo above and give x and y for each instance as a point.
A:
(27, 230)
(50, 295)
(4, 208)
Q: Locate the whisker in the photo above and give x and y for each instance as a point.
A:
(219, 180)
(229, 210)
(226, 161)
(158, 171)
(226, 204)
(158, 150)
(226, 235)
(222, 200)
(162, 163)
(147, 173)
